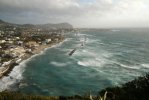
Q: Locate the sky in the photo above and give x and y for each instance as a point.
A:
(79, 13)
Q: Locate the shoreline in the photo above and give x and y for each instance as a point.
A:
(8, 68)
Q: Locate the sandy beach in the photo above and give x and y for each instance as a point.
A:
(7, 69)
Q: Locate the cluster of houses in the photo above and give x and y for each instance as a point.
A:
(14, 45)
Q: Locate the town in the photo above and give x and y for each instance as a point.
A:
(19, 42)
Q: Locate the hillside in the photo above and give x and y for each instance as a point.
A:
(1, 21)
(137, 89)
(41, 26)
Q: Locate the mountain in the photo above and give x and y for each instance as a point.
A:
(41, 26)
(3, 22)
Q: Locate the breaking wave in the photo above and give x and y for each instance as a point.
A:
(145, 65)
(59, 64)
(16, 74)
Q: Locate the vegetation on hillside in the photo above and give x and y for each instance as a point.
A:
(6, 95)
(137, 89)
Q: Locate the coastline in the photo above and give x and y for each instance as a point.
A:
(8, 68)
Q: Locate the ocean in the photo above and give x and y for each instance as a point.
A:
(107, 57)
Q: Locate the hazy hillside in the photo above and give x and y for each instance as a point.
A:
(43, 26)
(1, 21)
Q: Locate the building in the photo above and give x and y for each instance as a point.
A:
(48, 40)
(2, 41)
(32, 44)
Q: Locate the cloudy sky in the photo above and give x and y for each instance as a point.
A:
(79, 13)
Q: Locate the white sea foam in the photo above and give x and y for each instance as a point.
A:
(93, 41)
(16, 74)
(145, 65)
(91, 62)
(59, 64)
(93, 54)
(90, 53)
(106, 54)
(128, 66)
(68, 39)
(85, 52)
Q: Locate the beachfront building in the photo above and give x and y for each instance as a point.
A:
(17, 52)
(44, 43)
(10, 42)
(32, 44)
(17, 38)
(48, 40)
(56, 39)
(2, 41)
(20, 43)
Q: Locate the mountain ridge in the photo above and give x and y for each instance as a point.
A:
(64, 25)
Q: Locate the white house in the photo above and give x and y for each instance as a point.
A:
(48, 40)
(2, 41)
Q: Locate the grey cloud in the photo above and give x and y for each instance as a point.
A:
(94, 13)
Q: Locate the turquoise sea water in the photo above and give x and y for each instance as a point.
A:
(108, 58)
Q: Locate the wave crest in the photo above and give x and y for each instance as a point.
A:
(59, 64)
